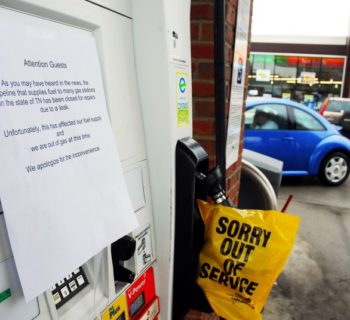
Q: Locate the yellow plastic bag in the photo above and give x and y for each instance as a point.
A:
(243, 254)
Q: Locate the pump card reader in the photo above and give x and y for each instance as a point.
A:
(68, 287)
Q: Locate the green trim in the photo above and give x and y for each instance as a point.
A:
(5, 295)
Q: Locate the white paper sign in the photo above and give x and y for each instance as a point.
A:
(263, 75)
(61, 183)
(237, 85)
(307, 77)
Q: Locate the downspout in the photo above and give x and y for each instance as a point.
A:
(220, 86)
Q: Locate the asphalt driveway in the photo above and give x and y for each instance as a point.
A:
(315, 284)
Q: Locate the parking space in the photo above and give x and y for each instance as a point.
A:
(315, 283)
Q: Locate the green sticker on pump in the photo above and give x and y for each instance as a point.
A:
(5, 295)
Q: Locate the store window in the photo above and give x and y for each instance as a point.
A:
(305, 79)
(306, 87)
(262, 67)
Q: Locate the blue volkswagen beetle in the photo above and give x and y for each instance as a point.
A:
(305, 141)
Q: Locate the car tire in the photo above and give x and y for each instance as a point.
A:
(334, 169)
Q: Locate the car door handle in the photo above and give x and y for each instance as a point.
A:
(288, 139)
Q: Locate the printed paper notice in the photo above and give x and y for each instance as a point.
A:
(263, 75)
(307, 77)
(144, 252)
(62, 188)
(238, 78)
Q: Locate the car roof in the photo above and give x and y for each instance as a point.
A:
(259, 101)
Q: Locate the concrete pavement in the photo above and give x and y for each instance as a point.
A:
(315, 283)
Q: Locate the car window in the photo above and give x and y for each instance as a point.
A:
(305, 121)
(338, 106)
(267, 117)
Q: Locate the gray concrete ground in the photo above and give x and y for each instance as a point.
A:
(315, 283)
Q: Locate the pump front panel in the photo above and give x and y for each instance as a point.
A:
(97, 288)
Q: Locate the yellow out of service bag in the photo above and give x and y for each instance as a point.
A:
(243, 254)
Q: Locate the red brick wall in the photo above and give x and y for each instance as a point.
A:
(202, 37)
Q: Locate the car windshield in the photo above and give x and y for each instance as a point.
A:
(338, 106)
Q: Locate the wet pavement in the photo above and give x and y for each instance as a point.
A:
(315, 283)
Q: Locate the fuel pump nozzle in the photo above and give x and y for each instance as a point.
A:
(211, 183)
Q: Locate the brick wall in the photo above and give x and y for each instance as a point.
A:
(202, 37)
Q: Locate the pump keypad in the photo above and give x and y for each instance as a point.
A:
(68, 287)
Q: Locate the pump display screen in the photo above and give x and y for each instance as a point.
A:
(121, 317)
(137, 304)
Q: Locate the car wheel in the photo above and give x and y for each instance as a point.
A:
(334, 169)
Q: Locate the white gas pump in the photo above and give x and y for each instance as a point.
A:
(144, 54)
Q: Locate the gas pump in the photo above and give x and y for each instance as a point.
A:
(144, 54)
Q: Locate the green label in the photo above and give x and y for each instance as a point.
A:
(5, 294)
